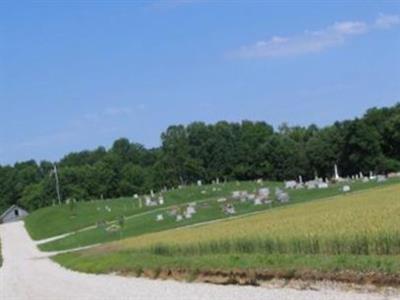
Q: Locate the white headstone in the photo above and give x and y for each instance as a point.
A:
(346, 188)
(191, 210)
(291, 184)
(283, 197)
(264, 192)
(322, 185)
(381, 178)
(236, 194)
(257, 201)
(336, 172)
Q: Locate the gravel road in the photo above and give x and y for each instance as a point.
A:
(28, 274)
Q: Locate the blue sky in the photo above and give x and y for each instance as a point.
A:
(75, 75)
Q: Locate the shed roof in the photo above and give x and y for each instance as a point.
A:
(11, 208)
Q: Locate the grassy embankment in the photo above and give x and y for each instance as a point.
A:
(349, 238)
(145, 223)
(55, 220)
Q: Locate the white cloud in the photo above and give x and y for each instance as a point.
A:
(387, 21)
(313, 41)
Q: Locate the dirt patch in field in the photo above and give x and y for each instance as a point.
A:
(310, 280)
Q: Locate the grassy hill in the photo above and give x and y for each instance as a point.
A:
(56, 220)
(143, 221)
(358, 232)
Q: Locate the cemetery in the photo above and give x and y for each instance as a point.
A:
(198, 203)
(214, 244)
(179, 149)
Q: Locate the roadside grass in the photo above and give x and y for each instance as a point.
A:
(146, 223)
(56, 220)
(356, 233)
(286, 266)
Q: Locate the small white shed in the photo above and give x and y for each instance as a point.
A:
(14, 213)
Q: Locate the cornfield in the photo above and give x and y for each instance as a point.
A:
(367, 222)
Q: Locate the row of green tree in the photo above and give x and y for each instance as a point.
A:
(231, 151)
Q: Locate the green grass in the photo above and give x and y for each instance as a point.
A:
(56, 220)
(134, 262)
(356, 233)
(145, 223)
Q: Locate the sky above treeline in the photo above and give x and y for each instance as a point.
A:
(78, 74)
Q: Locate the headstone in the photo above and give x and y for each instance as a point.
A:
(290, 184)
(322, 185)
(336, 172)
(283, 197)
(258, 201)
(147, 200)
(278, 191)
(161, 200)
(251, 196)
(346, 188)
(221, 200)
(136, 196)
(311, 184)
(300, 179)
(381, 178)
(264, 192)
(160, 217)
(236, 194)
(199, 183)
(299, 186)
(229, 209)
(179, 218)
(191, 210)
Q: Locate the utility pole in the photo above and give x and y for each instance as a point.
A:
(57, 184)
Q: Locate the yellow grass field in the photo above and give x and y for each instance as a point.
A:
(366, 212)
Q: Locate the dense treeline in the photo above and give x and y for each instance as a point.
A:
(246, 150)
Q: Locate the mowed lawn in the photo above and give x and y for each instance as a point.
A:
(145, 222)
(56, 220)
(360, 226)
